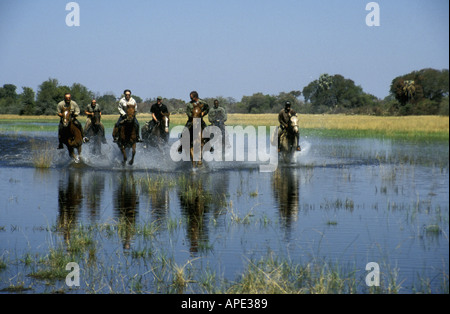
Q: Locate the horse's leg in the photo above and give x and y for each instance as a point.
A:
(200, 162)
(124, 153)
(72, 155)
(191, 152)
(133, 152)
(99, 144)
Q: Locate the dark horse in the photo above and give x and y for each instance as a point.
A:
(71, 135)
(196, 140)
(127, 135)
(158, 134)
(96, 133)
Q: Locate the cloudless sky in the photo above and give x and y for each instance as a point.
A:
(224, 48)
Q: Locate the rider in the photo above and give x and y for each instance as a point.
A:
(75, 111)
(284, 118)
(217, 117)
(123, 103)
(157, 110)
(190, 106)
(90, 110)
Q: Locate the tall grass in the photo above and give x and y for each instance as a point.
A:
(354, 125)
(42, 155)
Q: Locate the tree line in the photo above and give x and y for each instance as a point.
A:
(423, 92)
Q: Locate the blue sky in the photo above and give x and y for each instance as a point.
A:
(219, 48)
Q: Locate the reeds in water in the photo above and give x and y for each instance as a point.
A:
(42, 155)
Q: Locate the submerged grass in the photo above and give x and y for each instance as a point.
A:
(42, 155)
(151, 268)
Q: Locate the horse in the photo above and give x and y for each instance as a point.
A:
(70, 135)
(196, 139)
(96, 133)
(288, 140)
(158, 135)
(127, 135)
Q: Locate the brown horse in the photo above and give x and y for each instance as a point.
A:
(71, 136)
(196, 139)
(127, 135)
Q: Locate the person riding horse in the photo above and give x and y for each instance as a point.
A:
(157, 110)
(217, 117)
(75, 111)
(123, 103)
(195, 100)
(127, 134)
(284, 118)
(90, 112)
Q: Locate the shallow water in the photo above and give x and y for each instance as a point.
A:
(347, 201)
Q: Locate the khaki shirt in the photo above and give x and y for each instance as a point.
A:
(123, 103)
(95, 109)
(284, 117)
(190, 107)
(73, 107)
(218, 113)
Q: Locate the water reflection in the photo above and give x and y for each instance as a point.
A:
(286, 189)
(202, 197)
(95, 185)
(125, 206)
(194, 202)
(70, 198)
(159, 199)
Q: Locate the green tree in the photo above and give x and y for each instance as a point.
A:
(421, 92)
(27, 101)
(258, 103)
(49, 94)
(334, 94)
(81, 95)
(108, 103)
(8, 99)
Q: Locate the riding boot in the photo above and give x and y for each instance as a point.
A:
(279, 144)
(103, 134)
(138, 138)
(299, 149)
(87, 127)
(60, 146)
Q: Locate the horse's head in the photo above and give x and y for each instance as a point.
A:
(166, 122)
(66, 117)
(131, 111)
(294, 124)
(197, 111)
(96, 118)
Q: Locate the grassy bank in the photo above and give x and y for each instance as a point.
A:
(433, 127)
